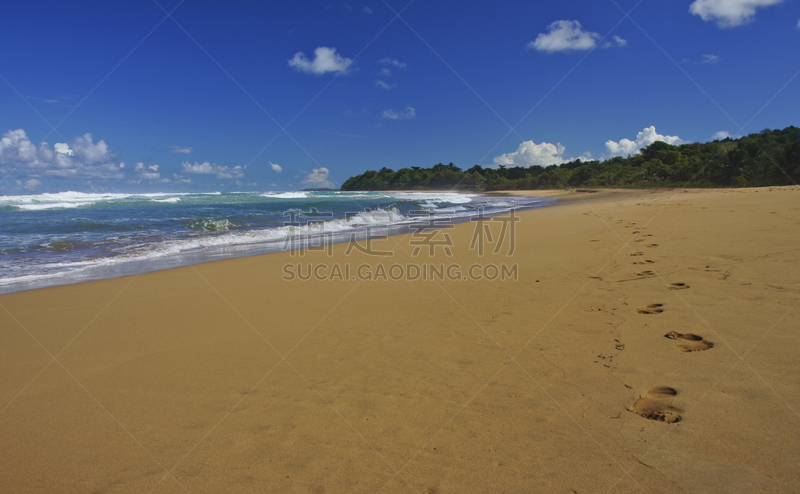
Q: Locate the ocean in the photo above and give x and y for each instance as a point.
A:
(69, 237)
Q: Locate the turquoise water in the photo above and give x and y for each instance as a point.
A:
(51, 239)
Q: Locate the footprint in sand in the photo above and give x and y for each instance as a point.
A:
(640, 240)
(656, 404)
(691, 342)
(677, 286)
(637, 254)
(651, 309)
(646, 261)
(651, 245)
(645, 273)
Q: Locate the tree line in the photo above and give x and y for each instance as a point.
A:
(769, 157)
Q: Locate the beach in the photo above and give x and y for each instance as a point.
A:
(620, 341)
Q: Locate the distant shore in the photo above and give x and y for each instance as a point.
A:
(622, 341)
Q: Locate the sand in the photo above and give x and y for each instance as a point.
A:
(224, 377)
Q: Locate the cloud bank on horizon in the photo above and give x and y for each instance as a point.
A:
(318, 178)
(531, 154)
(83, 158)
(643, 139)
(545, 154)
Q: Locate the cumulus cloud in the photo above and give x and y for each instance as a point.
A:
(207, 168)
(570, 36)
(531, 154)
(409, 113)
(383, 85)
(318, 178)
(712, 59)
(729, 13)
(276, 167)
(32, 184)
(63, 148)
(82, 158)
(180, 149)
(325, 60)
(147, 172)
(722, 134)
(644, 138)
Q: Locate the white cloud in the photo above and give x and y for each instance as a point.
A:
(207, 168)
(83, 158)
(180, 149)
(147, 172)
(318, 178)
(722, 134)
(392, 61)
(181, 179)
(368, 10)
(798, 24)
(276, 167)
(409, 113)
(32, 184)
(383, 85)
(729, 13)
(531, 154)
(568, 36)
(385, 72)
(91, 153)
(63, 148)
(15, 147)
(644, 138)
(616, 41)
(712, 59)
(325, 60)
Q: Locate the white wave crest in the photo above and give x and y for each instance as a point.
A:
(71, 199)
(286, 195)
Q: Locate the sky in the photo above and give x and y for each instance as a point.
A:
(201, 95)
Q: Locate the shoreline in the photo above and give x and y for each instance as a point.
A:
(224, 375)
(118, 266)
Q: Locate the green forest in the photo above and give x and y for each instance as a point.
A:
(769, 157)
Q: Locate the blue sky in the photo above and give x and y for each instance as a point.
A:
(205, 95)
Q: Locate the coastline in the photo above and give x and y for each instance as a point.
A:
(224, 375)
(112, 240)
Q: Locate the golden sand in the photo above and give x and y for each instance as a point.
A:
(225, 377)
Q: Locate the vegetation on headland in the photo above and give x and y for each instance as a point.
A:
(769, 157)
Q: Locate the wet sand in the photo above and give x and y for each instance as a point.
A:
(649, 343)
